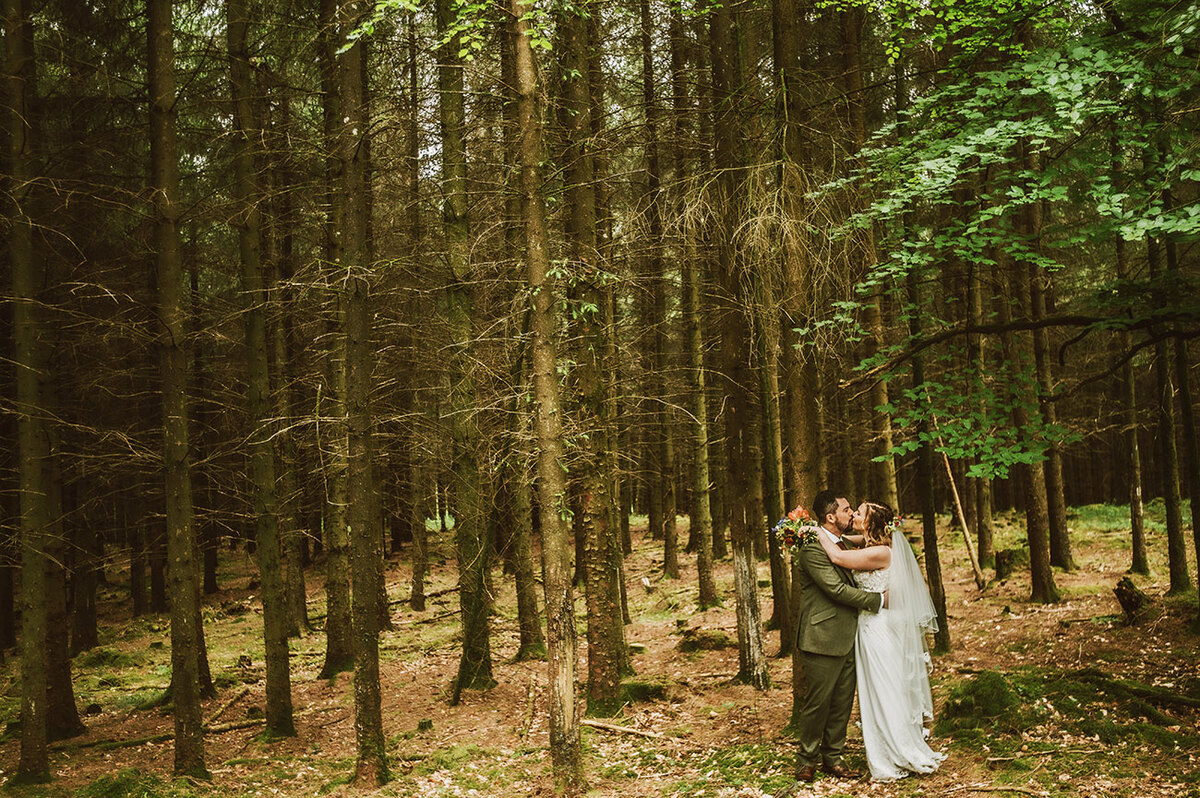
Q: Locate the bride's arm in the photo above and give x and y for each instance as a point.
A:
(868, 559)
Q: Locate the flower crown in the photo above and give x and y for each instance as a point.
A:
(893, 526)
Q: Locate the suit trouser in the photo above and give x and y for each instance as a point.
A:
(825, 708)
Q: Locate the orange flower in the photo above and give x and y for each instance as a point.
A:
(798, 514)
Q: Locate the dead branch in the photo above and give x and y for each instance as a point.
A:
(237, 697)
(620, 729)
(985, 788)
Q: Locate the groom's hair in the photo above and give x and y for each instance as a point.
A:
(825, 504)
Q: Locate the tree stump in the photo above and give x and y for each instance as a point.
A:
(1133, 601)
(1010, 560)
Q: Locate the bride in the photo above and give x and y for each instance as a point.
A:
(893, 662)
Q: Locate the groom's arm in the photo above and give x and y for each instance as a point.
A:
(825, 576)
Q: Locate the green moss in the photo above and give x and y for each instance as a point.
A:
(105, 657)
(977, 701)
(133, 783)
(704, 640)
(634, 690)
(452, 758)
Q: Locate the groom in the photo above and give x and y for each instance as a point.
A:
(827, 623)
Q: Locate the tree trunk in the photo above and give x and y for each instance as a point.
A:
(1060, 540)
(137, 561)
(975, 363)
(157, 559)
(601, 574)
(1032, 476)
(662, 472)
(85, 579)
(181, 543)
(883, 472)
(281, 271)
(565, 753)
(1177, 567)
(470, 530)
(729, 107)
(32, 439)
(331, 442)
(247, 222)
(925, 484)
(700, 525)
(366, 538)
(62, 715)
(529, 620)
(420, 552)
(1140, 563)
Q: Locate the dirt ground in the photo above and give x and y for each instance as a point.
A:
(706, 737)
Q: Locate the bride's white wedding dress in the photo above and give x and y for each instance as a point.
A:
(893, 686)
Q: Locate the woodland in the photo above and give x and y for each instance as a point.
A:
(481, 345)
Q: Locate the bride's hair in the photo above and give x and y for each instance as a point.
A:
(879, 517)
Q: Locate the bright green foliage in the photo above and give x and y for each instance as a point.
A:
(1029, 107)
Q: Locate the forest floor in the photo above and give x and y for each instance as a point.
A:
(1044, 700)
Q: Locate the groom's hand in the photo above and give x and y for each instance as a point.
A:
(885, 599)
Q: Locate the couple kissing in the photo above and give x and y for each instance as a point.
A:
(864, 611)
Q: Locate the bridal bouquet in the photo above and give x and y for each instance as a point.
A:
(795, 529)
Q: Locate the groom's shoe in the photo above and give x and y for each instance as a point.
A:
(806, 773)
(842, 772)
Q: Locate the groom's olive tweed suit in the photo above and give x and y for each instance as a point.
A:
(826, 624)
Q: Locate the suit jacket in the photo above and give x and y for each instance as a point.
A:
(829, 604)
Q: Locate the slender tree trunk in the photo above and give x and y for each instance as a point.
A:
(737, 381)
(62, 716)
(883, 481)
(262, 455)
(565, 753)
(32, 438)
(281, 272)
(1129, 411)
(420, 554)
(85, 580)
(1060, 540)
(1032, 476)
(529, 620)
(157, 559)
(470, 530)
(594, 527)
(1177, 567)
(925, 486)
(771, 441)
(331, 439)
(975, 365)
(366, 538)
(700, 532)
(181, 543)
(137, 561)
